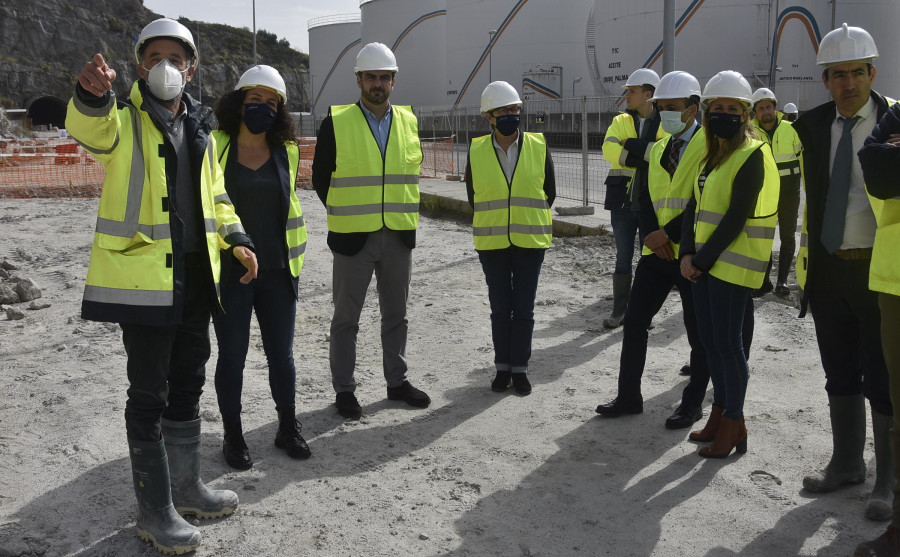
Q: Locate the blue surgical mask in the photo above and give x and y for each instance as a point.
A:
(259, 117)
(507, 124)
(670, 120)
(724, 125)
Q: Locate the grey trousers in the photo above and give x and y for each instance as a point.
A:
(384, 253)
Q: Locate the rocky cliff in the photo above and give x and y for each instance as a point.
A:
(45, 43)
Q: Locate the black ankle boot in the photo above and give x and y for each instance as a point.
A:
(288, 436)
(234, 448)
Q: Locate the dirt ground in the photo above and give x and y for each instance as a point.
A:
(477, 473)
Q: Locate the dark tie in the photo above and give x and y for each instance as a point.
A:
(839, 189)
(674, 154)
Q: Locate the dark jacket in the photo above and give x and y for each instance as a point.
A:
(814, 130)
(880, 161)
(198, 124)
(617, 195)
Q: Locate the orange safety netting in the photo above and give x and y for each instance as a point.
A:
(48, 168)
(62, 168)
(437, 157)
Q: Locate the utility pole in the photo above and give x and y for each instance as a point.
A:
(254, 33)
(668, 36)
(491, 34)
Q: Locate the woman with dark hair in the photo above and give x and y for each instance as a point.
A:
(727, 235)
(258, 152)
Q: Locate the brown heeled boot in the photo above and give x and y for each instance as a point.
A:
(708, 433)
(732, 435)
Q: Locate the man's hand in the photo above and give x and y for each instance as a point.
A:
(894, 140)
(248, 260)
(96, 77)
(688, 270)
(658, 242)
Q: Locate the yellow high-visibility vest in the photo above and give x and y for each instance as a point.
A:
(785, 144)
(745, 260)
(622, 127)
(295, 227)
(510, 214)
(671, 194)
(130, 277)
(369, 192)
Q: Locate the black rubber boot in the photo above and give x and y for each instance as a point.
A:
(881, 501)
(848, 433)
(621, 292)
(158, 522)
(288, 436)
(189, 494)
(237, 455)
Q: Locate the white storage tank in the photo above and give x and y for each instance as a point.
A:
(334, 42)
(416, 30)
(530, 37)
(773, 44)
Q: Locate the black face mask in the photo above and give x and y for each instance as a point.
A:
(724, 125)
(507, 124)
(259, 117)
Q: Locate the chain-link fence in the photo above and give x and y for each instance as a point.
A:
(574, 129)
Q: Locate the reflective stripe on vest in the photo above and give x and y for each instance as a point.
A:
(367, 191)
(510, 214)
(669, 195)
(745, 260)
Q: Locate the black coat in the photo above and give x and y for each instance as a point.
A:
(814, 131)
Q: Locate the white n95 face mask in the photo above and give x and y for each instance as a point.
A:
(165, 80)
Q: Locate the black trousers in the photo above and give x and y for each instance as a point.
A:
(166, 365)
(848, 330)
(654, 278)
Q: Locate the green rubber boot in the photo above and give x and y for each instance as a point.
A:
(189, 493)
(158, 522)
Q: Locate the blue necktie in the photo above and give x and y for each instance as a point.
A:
(839, 189)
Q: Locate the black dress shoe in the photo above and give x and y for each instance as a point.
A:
(762, 290)
(619, 407)
(501, 382)
(685, 369)
(347, 405)
(521, 383)
(409, 394)
(684, 416)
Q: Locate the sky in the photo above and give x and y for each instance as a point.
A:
(285, 18)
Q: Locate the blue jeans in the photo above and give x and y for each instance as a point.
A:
(722, 309)
(625, 224)
(512, 278)
(271, 295)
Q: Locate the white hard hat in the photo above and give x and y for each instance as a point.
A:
(375, 56)
(642, 76)
(728, 84)
(677, 85)
(763, 94)
(846, 44)
(498, 94)
(166, 28)
(790, 108)
(263, 76)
